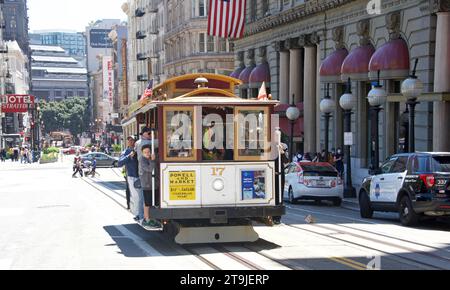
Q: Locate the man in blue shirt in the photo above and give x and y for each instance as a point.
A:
(129, 159)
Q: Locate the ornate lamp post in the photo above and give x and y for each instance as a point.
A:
(412, 87)
(348, 102)
(327, 106)
(376, 97)
(292, 113)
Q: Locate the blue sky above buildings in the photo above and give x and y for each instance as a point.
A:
(71, 15)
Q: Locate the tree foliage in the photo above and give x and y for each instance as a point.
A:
(72, 114)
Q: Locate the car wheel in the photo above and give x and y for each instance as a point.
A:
(364, 206)
(291, 196)
(408, 217)
(114, 164)
(337, 201)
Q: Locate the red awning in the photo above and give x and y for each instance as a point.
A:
(330, 70)
(260, 73)
(245, 74)
(392, 59)
(237, 72)
(356, 64)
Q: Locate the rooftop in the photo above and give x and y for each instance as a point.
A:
(61, 70)
(46, 48)
(67, 59)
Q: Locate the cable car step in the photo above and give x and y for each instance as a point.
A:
(224, 234)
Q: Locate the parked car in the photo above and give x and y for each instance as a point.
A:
(313, 181)
(103, 160)
(74, 149)
(412, 184)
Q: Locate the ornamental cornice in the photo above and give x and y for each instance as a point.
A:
(292, 15)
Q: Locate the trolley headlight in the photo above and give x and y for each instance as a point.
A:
(218, 185)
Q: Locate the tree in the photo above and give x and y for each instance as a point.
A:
(71, 114)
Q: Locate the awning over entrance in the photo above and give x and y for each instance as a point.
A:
(245, 74)
(260, 74)
(237, 72)
(356, 64)
(330, 70)
(392, 59)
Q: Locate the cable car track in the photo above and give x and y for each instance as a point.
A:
(382, 235)
(332, 236)
(191, 248)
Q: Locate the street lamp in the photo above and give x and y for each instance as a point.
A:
(292, 113)
(412, 87)
(348, 102)
(376, 97)
(327, 106)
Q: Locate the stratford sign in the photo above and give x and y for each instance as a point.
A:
(16, 103)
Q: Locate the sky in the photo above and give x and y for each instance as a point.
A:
(71, 15)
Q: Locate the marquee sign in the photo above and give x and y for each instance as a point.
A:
(16, 103)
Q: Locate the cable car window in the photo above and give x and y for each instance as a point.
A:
(179, 134)
(252, 133)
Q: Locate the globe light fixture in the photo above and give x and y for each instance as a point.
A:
(412, 88)
(347, 103)
(327, 106)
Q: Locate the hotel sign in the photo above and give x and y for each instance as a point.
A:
(16, 103)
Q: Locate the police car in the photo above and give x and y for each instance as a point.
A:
(413, 184)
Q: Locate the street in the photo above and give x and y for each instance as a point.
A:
(50, 220)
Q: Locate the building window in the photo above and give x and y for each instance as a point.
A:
(222, 45)
(58, 94)
(265, 7)
(201, 42)
(253, 8)
(69, 94)
(210, 43)
(81, 94)
(201, 8)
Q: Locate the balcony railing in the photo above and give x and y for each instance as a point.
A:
(139, 12)
(142, 78)
(141, 34)
(141, 56)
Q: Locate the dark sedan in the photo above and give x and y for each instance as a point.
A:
(103, 160)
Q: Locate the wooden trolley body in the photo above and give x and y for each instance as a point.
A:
(211, 190)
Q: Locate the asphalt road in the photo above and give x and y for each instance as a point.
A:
(50, 220)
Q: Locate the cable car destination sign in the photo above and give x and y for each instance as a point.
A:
(16, 103)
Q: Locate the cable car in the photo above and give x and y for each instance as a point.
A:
(217, 156)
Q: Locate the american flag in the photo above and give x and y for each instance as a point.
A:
(148, 93)
(226, 18)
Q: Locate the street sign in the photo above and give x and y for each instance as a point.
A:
(115, 115)
(348, 138)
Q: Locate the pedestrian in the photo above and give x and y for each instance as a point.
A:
(338, 160)
(307, 158)
(93, 166)
(77, 167)
(127, 190)
(15, 154)
(331, 156)
(3, 155)
(316, 158)
(147, 168)
(323, 156)
(129, 159)
(297, 157)
(145, 140)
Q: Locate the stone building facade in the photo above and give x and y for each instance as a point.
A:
(146, 56)
(188, 47)
(307, 45)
